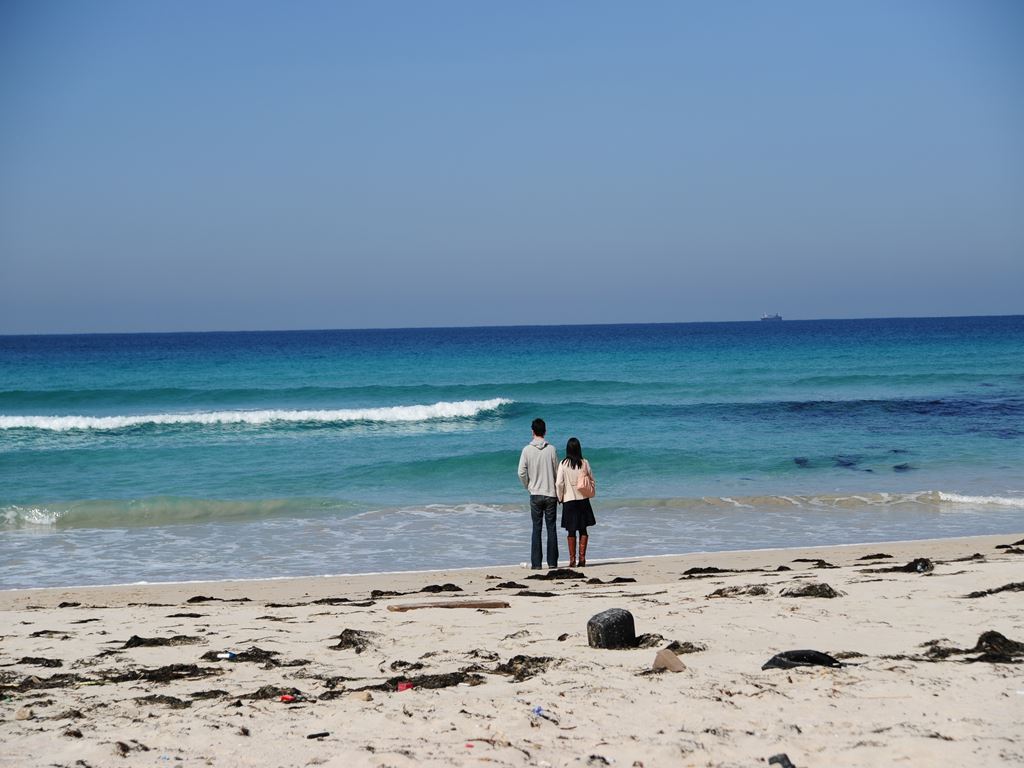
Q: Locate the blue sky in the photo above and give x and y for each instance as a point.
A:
(255, 165)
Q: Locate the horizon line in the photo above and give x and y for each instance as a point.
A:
(494, 326)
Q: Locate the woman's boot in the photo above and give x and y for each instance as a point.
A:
(583, 551)
(572, 551)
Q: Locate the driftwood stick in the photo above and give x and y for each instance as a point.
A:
(451, 604)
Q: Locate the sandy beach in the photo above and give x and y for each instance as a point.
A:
(131, 675)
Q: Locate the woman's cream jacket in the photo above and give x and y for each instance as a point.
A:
(566, 479)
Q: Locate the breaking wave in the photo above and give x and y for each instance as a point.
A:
(397, 413)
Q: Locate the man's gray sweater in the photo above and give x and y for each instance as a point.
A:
(538, 465)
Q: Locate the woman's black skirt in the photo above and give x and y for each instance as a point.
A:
(577, 515)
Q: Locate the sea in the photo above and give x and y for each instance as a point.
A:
(255, 455)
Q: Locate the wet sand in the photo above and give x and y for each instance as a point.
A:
(131, 675)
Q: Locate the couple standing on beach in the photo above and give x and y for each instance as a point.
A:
(550, 482)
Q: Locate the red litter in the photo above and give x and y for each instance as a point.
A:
(287, 698)
(405, 686)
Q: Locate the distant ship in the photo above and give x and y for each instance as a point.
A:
(766, 318)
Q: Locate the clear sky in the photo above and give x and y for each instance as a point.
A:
(256, 165)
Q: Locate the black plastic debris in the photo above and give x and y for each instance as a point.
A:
(791, 659)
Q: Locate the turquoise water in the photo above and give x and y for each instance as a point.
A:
(157, 457)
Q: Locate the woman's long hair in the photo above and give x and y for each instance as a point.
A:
(574, 453)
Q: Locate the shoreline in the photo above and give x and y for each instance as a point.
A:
(594, 562)
(131, 674)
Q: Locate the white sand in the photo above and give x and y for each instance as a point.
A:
(598, 707)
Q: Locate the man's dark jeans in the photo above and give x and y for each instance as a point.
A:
(544, 508)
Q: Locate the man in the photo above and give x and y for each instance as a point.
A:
(538, 465)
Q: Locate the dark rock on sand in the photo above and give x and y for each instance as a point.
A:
(535, 593)
(613, 628)
(791, 659)
(156, 642)
(1017, 586)
(810, 590)
(68, 605)
(616, 580)
(879, 556)
(782, 760)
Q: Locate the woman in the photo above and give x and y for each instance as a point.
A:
(577, 513)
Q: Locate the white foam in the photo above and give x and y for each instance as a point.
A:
(398, 413)
(1000, 501)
